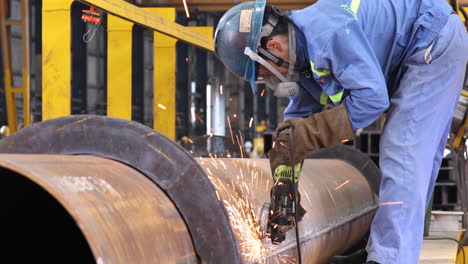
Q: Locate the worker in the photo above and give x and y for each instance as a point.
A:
(364, 57)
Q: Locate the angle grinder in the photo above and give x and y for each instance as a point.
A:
(278, 216)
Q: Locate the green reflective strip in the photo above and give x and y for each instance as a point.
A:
(319, 73)
(334, 98)
(337, 97)
(353, 9)
(355, 6)
(324, 98)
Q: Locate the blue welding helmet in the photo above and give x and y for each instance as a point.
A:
(240, 28)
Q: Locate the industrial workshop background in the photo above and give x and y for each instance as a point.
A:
(164, 76)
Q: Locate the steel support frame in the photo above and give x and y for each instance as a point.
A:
(10, 91)
(150, 20)
(119, 58)
(56, 58)
(164, 109)
(119, 67)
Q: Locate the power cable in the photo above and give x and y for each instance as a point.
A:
(294, 193)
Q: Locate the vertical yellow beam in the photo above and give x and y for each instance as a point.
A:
(164, 75)
(462, 256)
(461, 15)
(164, 78)
(119, 67)
(56, 58)
(7, 76)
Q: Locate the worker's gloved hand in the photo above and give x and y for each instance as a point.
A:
(326, 129)
(282, 189)
(282, 214)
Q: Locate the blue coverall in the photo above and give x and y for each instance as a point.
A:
(406, 57)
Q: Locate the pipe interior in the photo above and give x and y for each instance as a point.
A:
(36, 228)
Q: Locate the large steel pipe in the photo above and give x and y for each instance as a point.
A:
(339, 200)
(174, 206)
(161, 160)
(59, 209)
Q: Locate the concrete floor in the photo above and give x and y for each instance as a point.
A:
(439, 251)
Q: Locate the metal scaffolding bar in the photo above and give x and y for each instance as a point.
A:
(164, 77)
(150, 20)
(56, 58)
(119, 67)
(24, 90)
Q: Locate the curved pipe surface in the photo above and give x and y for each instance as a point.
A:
(123, 217)
(339, 200)
(215, 202)
(163, 161)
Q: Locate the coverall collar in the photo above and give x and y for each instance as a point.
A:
(302, 56)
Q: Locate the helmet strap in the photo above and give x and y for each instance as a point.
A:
(270, 56)
(292, 50)
(289, 88)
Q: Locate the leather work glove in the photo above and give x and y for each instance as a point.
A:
(328, 128)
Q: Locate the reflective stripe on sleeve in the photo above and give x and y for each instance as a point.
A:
(334, 98)
(319, 73)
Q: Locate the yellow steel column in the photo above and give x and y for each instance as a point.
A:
(119, 67)
(164, 75)
(56, 58)
(164, 78)
(7, 76)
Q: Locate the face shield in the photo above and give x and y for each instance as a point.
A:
(283, 86)
(278, 83)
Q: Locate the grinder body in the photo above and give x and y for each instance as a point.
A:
(282, 209)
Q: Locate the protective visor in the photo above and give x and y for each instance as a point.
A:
(278, 83)
(271, 82)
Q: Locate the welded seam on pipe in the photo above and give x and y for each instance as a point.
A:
(308, 237)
